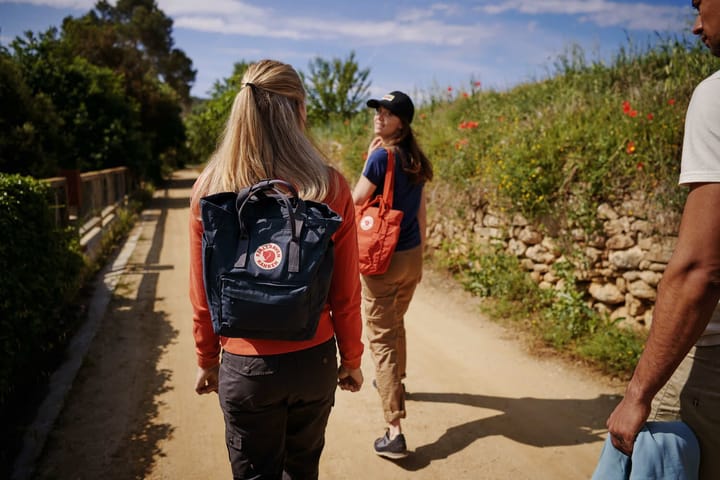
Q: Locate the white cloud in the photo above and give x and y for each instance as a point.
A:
(604, 13)
(73, 4)
(211, 7)
(415, 26)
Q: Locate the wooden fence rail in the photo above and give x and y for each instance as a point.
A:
(89, 201)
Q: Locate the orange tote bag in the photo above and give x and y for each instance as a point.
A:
(378, 226)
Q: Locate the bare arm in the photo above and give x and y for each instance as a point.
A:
(363, 189)
(422, 218)
(687, 296)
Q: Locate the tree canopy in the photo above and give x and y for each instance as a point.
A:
(113, 85)
(335, 87)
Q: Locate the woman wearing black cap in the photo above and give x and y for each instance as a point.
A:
(386, 297)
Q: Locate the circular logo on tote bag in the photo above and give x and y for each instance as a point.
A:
(268, 256)
(366, 222)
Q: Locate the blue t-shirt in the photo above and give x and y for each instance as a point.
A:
(406, 196)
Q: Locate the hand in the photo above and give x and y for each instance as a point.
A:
(374, 145)
(206, 380)
(625, 422)
(350, 379)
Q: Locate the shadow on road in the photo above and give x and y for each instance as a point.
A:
(110, 429)
(144, 443)
(538, 422)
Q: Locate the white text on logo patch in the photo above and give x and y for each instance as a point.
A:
(268, 256)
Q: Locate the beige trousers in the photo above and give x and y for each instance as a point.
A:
(386, 299)
(693, 395)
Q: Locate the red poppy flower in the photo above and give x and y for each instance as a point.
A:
(650, 116)
(630, 149)
(461, 143)
(626, 106)
(633, 113)
(671, 101)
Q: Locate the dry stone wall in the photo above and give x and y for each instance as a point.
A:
(619, 265)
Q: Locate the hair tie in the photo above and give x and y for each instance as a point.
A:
(250, 84)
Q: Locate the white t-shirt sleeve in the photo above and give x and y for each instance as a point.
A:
(701, 145)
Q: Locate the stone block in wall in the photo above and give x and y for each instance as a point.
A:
(516, 247)
(621, 284)
(619, 242)
(527, 264)
(578, 235)
(627, 259)
(656, 267)
(634, 207)
(551, 277)
(606, 293)
(541, 268)
(647, 317)
(550, 245)
(660, 249)
(539, 254)
(593, 254)
(617, 226)
(536, 276)
(530, 236)
(583, 275)
(602, 308)
(666, 223)
(623, 317)
(635, 307)
(606, 272)
(519, 220)
(641, 226)
(651, 278)
(492, 221)
(485, 232)
(606, 212)
(640, 289)
(597, 241)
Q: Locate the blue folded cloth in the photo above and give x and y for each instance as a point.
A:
(663, 450)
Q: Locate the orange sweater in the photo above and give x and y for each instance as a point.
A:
(341, 316)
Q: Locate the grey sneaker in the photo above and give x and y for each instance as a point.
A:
(394, 449)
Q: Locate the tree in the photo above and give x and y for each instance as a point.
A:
(335, 88)
(133, 37)
(99, 125)
(29, 136)
(207, 120)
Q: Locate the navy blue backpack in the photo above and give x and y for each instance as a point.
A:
(267, 261)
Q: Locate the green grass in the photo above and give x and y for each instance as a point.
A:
(554, 148)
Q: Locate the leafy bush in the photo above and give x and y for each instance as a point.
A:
(567, 316)
(40, 267)
(616, 348)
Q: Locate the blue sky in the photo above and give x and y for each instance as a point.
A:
(419, 46)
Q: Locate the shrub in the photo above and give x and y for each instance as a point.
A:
(41, 266)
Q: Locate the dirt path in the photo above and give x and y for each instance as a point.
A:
(479, 407)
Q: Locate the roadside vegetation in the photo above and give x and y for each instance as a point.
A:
(556, 147)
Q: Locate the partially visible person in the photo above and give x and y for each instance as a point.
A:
(678, 374)
(386, 297)
(276, 396)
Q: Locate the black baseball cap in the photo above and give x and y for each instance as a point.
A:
(398, 103)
